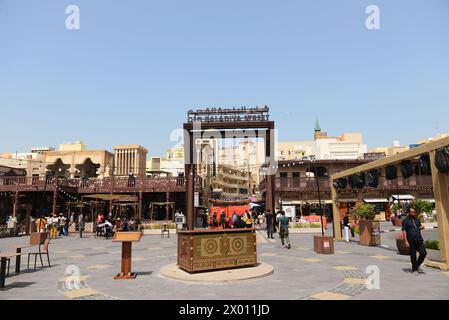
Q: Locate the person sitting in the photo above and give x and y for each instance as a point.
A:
(239, 224)
(249, 221)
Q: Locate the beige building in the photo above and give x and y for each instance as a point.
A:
(32, 163)
(230, 183)
(130, 159)
(324, 147)
(78, 162)
(397, 148)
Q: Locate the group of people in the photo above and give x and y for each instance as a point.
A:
(107, 228)
(236, 221)
(55, 225)
(261, 220)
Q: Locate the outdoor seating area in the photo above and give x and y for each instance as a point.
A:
(43, 250)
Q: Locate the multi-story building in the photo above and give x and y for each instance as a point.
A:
(323, 147)
(130, 159)
(230, 183)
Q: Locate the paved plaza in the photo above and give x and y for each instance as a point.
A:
(299, 273)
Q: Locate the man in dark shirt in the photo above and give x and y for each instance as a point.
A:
(412, 227)
(269, 219)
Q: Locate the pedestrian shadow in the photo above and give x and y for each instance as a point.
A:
(16, 285)
(407, 270)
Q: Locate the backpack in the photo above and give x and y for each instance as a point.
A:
(442, 160)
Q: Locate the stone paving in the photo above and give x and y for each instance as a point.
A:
(299, 273)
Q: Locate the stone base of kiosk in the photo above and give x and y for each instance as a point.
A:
(261, 270)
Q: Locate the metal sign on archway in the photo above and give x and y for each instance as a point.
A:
(228, 123)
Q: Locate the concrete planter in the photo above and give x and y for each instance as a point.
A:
(403, 247)
(369, 233)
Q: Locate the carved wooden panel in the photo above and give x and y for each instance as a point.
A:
(214, 251)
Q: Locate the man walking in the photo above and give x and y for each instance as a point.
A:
(412, 227)
(269, 221)
(284, 222)
(346, 227)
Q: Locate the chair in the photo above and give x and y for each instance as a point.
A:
(9, 262)
(165, 231)
(44, 251)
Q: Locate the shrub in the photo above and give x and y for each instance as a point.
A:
(364, 211)
(432, 244)
(423, 206)
(156, 226)
(305, 225)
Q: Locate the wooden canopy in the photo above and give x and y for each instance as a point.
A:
(440, 189)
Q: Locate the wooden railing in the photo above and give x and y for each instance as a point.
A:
(106, 185)
(310, 184)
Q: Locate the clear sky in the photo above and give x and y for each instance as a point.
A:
(134, 69)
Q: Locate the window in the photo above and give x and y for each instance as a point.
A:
(296, 179)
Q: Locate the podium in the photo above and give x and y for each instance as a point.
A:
(126, 238)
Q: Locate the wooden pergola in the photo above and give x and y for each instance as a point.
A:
(440, 189)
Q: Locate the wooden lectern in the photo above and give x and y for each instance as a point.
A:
(126, 238)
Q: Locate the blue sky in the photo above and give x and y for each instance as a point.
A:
(134, 69)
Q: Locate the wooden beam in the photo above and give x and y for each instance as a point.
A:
(441, 191)
(413, 153)
(336, 214)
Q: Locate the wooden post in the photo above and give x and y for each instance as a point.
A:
(167, 206)
(440, 189)
(126, 258)
(336, 213)
(270, 153)
(27, 220)
(190, 189)
(55, 200)
(140, 204)
(16, 204)
(269, 196)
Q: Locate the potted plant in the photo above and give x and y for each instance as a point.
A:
(402, 244)
(396, 221)
(369, 229)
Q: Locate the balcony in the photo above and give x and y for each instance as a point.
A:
(295, 184)
(107, 185)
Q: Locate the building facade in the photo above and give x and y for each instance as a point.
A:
(130, 159)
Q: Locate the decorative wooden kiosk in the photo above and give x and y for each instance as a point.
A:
(208, 250)
(127, 238)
